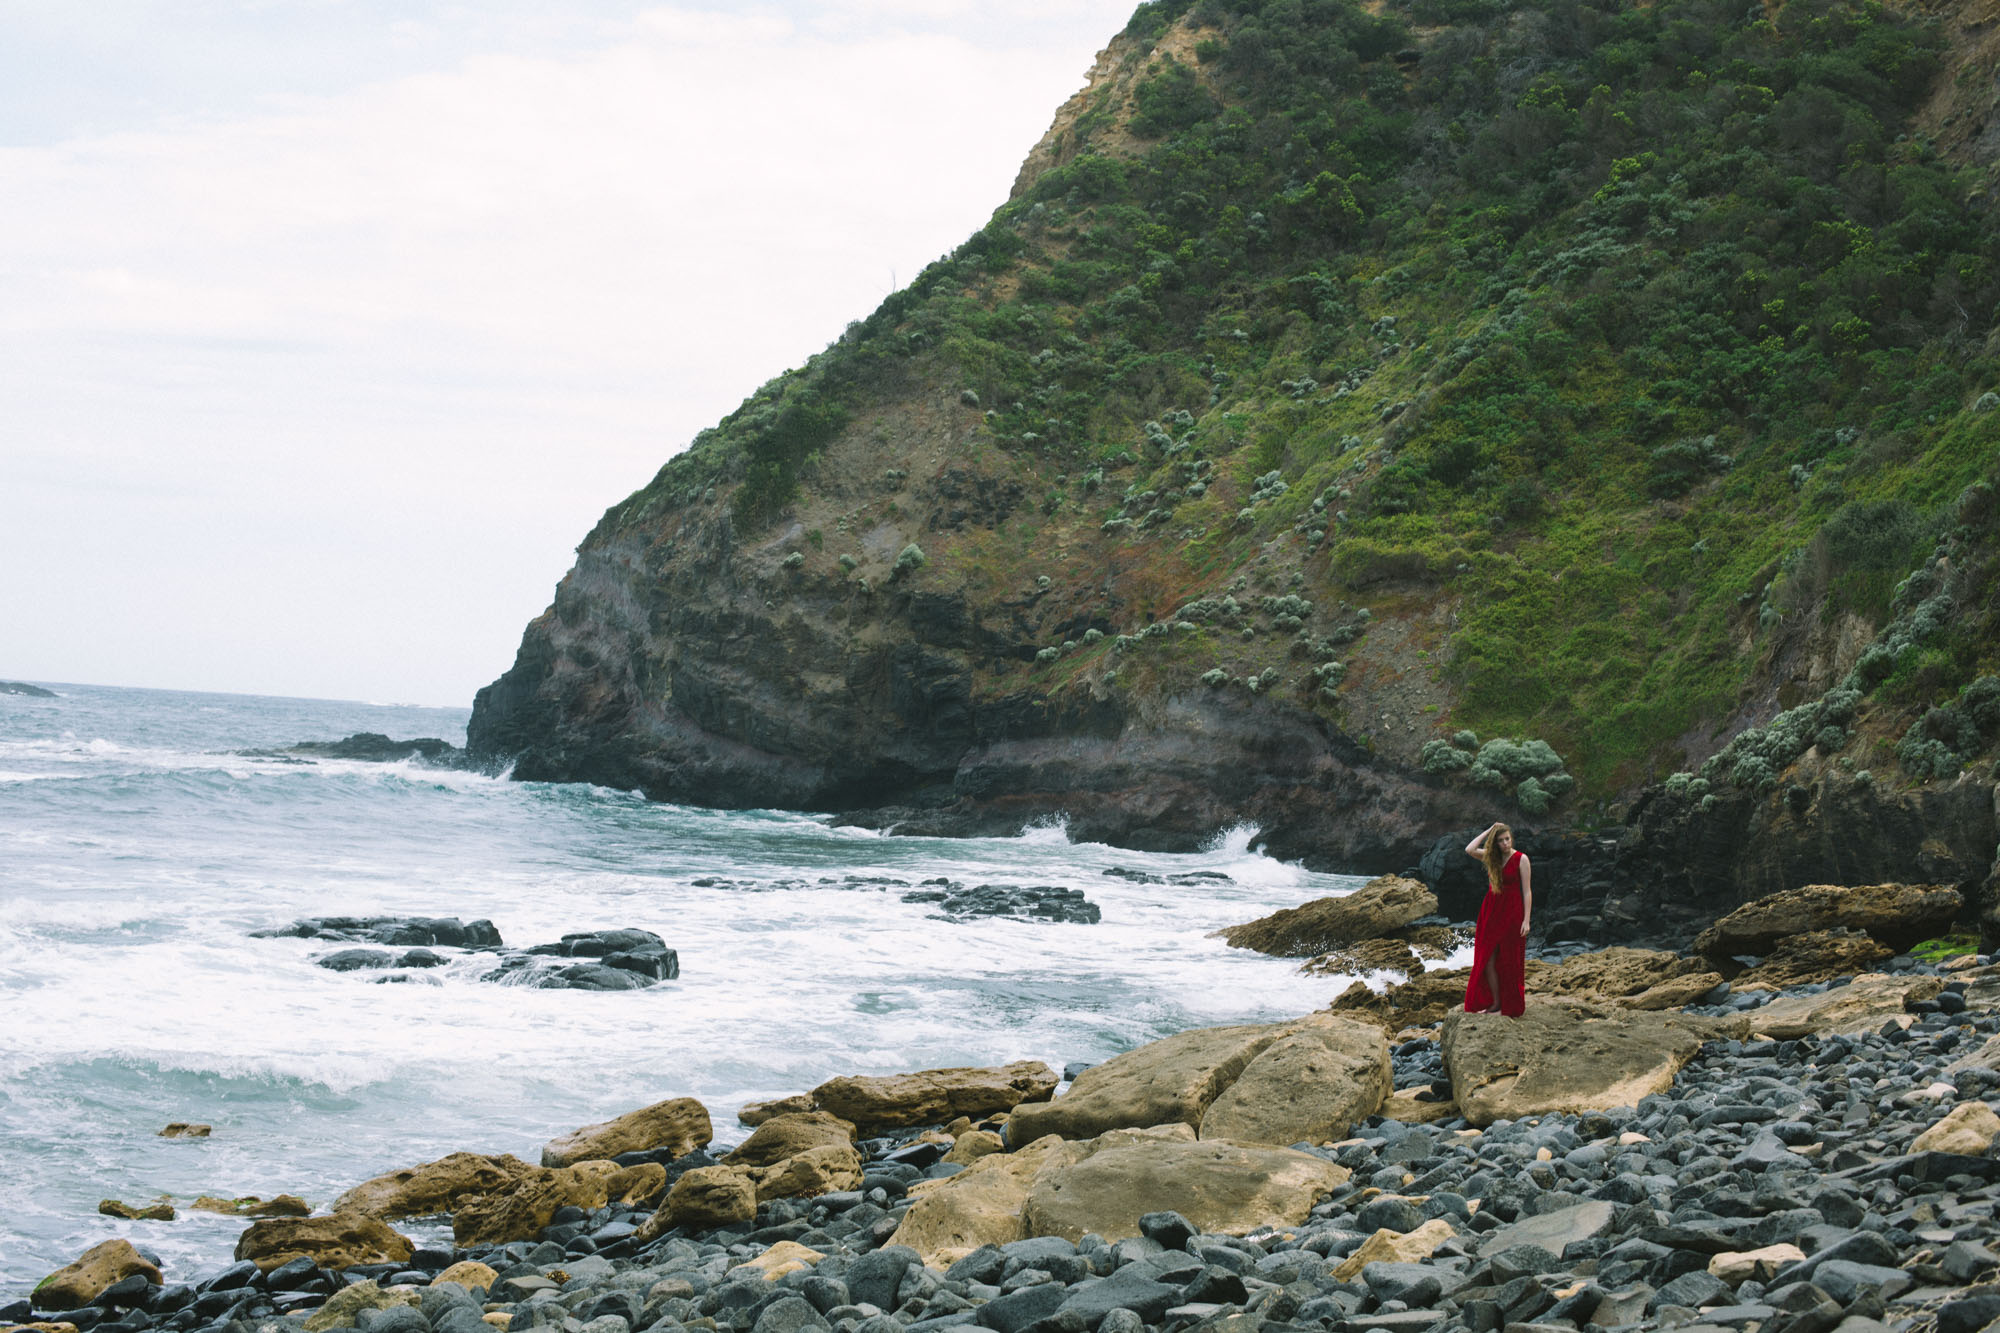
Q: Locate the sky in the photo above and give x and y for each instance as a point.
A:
(328, 328)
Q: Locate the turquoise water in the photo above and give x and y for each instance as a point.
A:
(139, 847)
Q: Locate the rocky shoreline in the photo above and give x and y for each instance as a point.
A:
(1688, 1152)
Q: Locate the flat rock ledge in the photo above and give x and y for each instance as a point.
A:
(1377, 909)
(1842, 1179)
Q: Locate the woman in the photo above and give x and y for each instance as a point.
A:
(1499, 944)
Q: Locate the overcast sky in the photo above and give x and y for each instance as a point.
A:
(329, 327)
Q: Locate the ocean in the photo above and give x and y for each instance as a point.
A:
(144, 834)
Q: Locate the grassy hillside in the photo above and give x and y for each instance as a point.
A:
(1623, 360)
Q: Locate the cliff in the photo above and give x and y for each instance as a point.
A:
(1366, 423)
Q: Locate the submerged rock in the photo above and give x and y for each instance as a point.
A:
(447, 931)
(374, 747)
(22, 688)
(1039, 902)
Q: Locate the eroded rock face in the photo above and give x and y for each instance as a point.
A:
(1866, 1003)
(818, 1170)
(1383, 905)
(78, 1284)
(1899, 915)
(434, 1187)
(678, 1126)
(1166, 1082)
(522, 1211)
(933, 1096)
(341, 1240)
(1559, 1056)
(1816, 955)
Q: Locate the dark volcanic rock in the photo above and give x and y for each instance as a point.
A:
(1038, 902)
(617, 959)
(22, 687)
(375, 748)
(447, 931)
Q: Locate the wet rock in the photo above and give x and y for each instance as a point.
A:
(676, 1126)
(1373, 911)
(375, 748)
(1366, 956)
(251, 1205)
(756, 1113)
(933, 1096)
(97, 1268)
(25, 690)
(525, 1208)
(181, 1129)
(341, 1240)
(405, 931)
(157, 1211)
(1039, 902)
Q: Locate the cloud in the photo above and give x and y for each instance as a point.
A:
(501, 291)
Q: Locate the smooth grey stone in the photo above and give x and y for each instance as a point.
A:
(1965, 1260)
(789, 1314)
(1131, 1250)
(1015, 1311)
(1035, 1252)
(398, 1319)
(1861, 1247)
(1845, 1280)
(1969, 1314)
(1166, 1266)
(459, 1319)
(1127, 1289)
(985, 1264)
(586, 1270)
(1522, 1261)
(1216, 1286)
(1553, 1231)
(1398, 1321)
(1397, 1215)
(1412, 1284)
(825, 1293)
(873, 1279)
(607, 1323)
(1121, 1321)
(1691, 1290)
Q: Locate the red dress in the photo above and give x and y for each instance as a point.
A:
(1498, 938)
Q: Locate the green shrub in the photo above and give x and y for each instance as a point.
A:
(1924, 758)
(1465, 739)
(1443, 757)
(1532, 797)
(910, 558)
(1215, 678)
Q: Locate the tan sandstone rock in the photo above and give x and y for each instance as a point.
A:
(1229, 1188)
(1404, 1105)
(341, 1240)
(1170, 1081)
(77, 1284)
(1614, 974)
(789, 1135)
(1739, 1266)
(434, 1187)
(1562, 1057)
(1376, 909)
(1366, 956)
(807, 1175)
(973, 1144)
(159, 1210)
(182, 1129)
(982, 1204)
(1970, 1128)
(251, 1205)
(787, 1256)
(523, 1210)
(1864, 1004)
(678, 1126)
(1816, 955)
(470, 1274)
(1899, 915)
(756, 1113)
(1311, 1085)
(933, 1096)
(344, 1306)
(1392, 1247)
(709, 1197)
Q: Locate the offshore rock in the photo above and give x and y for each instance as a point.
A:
(448, 931)
(375, 748)
(1380, 907)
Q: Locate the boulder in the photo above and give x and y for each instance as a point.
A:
(1379, 907)
(182, 1129)
(677, 1126)
(346, 1305)
(789, 1135)
(1970, 1128)
(78, 1284)
(1555, 1231)
(709, 1197)
(250, 1205)
(982, 1204)
(756, 1113)
(1674, 994)
(1367, 956)
(159, 1210)
(1411, 1107)
(1418, 1002)
(434, 1187)
(522, 1211)
(1170, 1081)
(1560, 1056)
(1220, 1187)
(787, 1256)
(1899, 915)
(1816, 955)
(1860, 1006)
(341, 1240)
(446, 931)
(1311, 1085)
(1390, 1247)
(470, 1274)
(973, 1144)
(933, 1096)
(825, 1169)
